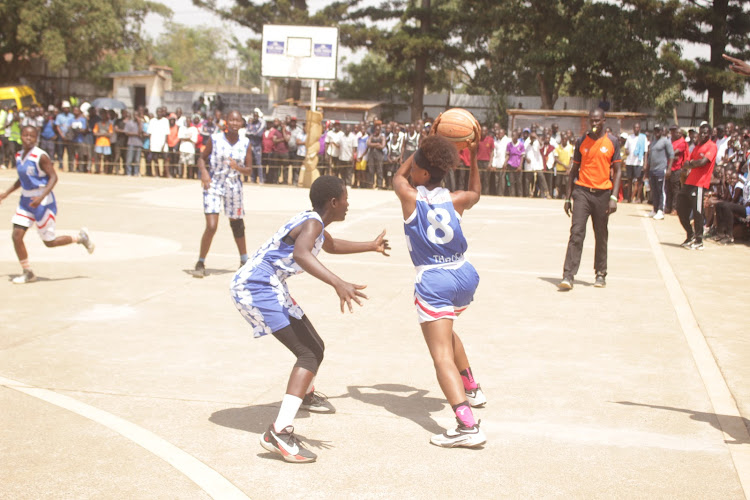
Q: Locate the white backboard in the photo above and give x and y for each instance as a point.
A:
(304, 52)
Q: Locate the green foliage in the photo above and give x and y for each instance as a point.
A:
(372, 78)
(195, 55)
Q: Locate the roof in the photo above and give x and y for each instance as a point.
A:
(151, 71)
(344, 104)
(572, 112)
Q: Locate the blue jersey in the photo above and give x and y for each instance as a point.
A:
(277, 256)
(433, 232)
(30, 172)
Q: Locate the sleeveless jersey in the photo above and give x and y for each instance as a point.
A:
(277, 256)
(29, 172)
(433, 232)
(221, 153)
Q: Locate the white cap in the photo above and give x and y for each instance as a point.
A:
(65, 104)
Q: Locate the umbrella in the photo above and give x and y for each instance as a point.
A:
(108, 103)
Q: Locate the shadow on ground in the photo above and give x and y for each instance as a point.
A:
(709, 418)
(403, 401)
(42, 279)
(556, 280)
(209, 272)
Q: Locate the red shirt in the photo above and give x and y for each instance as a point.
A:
(701, 176)
(680, 149)
(465, 155)
(485, 148)
(267, 141)
(595, 158)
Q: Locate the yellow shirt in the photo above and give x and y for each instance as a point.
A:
(564, 154)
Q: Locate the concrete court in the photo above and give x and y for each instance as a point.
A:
(121, 376)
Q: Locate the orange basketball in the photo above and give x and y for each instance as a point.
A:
(457, 125)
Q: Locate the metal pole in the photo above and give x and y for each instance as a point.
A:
(314, 96)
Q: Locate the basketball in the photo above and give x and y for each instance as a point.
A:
(457, 125)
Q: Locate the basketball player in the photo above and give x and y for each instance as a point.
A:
(222, 185)
(446, 281)
(36, 178)
(261, 295)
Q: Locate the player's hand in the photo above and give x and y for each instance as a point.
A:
(738, 66)
(233, 164)
(381, 244)
(612, 208)
(349, 292)
(205, 180)
(433, 128)
(477, 137)
(35, 202)
(567, 206)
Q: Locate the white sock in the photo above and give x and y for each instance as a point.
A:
(289, 407)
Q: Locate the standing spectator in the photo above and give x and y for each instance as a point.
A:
(411, 141)
(333, 146)
(267, 149)
(158, 131)
(672, 181)
(395, 151)
(131, 129)
(563, 155)
(102, 141)
(375, 147)
(637, 144)
(279, 152)
(596, 154)
(497, 179)
(292, 132)
(62, 127)
(48, 136)
(485, 151)
(513, 163)
(360, 166)
(4, 142)
(181, 119)
(346, 155)
(120, 142)
(13, 131)
(548, 168)
(255, 131)
(533, 162)
(301, 154)
(690, 199)
(81, 150)
(173, 145)
(188, 143)
(658, 163)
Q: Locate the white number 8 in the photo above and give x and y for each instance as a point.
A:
(441, 224)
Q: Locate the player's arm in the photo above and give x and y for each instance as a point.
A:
(247, 169)
(46, 165)
(406, 193)
(339, 246)
(304, 237)
(202, 159)
(464, 200)
(616, 164)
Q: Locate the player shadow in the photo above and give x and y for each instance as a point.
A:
(670, 244)
(42, 279)
(555, 281)
(209, 272)
(709, 418)
(403, 401)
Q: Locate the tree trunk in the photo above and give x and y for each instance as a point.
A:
(546, 92)
(718, 39)
(420, 68)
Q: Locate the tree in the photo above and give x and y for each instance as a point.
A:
(196, 55)
(69, 33)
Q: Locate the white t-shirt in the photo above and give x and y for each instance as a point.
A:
(630, 144)
(188, 137)
(348, 144)
(333, 139)
(533, 156)
(158, 128)
(501, 151)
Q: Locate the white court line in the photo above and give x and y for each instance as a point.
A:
(210, 481)
(724, 404)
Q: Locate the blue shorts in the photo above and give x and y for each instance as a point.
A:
(445, 293)
(103, 150)
(263, 300)
(43, 216)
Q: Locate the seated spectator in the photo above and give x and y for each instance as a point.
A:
(727, 210)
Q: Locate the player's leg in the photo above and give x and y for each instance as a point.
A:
(28, 276)
(600, 221)
(582, 207)
(472, 389)
(235, 210)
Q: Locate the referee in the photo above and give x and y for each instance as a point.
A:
(590, 189)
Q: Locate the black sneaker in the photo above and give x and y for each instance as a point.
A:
(466, 437)
(317, 402)
(725, 240)
(28, 276)
(565, 284)
(200, 270)
(688, 242)
(286, 444)
(600, 282)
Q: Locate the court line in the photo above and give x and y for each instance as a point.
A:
(722, 400)
(209, 480)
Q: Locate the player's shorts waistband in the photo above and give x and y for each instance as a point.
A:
(455, 264)
(30, 193)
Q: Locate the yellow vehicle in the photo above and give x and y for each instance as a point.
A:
(22, 96)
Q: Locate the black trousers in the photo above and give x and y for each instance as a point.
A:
(672, 187)
(690, 201)
(725, 213)
(594, 204)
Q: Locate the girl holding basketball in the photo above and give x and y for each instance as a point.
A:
(445, 281)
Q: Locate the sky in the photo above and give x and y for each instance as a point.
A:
(184, 12)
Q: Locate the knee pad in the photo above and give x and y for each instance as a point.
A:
(238, 227)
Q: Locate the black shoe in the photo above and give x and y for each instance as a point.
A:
(688, 242)
(318, 403)
(600, 281)
(200, 270)
(566, 284)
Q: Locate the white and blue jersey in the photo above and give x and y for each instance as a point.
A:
(226, 183)
(445, 281)
(33, 183)
(259, 289)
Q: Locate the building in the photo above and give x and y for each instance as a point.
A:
(142, 88)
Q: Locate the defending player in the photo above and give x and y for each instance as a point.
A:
(445, 281)
(36, 178)
(261, 295)
(222, 185)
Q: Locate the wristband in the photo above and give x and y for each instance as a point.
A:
(567, 201)
(613, 198)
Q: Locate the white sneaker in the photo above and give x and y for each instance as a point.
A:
(85, 240)
(659, 215)
(475, 397)
(28, 276)
(466, 437)
(650, 214)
